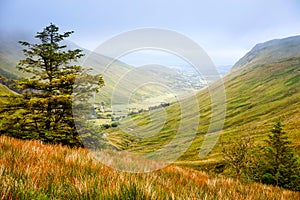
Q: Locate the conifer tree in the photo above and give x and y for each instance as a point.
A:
(43, 110)
(280, 165)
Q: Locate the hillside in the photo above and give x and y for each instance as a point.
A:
(31, 170)
(11, 53)
(271, 51)
(4, 92)
(4, 89)
(126, 81)
(256, 97)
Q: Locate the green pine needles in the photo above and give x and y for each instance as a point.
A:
(43, 109)
(280, 165)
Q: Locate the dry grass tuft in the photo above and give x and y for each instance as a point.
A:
(31, 170)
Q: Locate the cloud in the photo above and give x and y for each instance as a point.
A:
(225, 27)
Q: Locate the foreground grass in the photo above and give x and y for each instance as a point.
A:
(30, 170)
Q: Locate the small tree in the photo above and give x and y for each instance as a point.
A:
(280, 166)
(44, 108)
(237, 155)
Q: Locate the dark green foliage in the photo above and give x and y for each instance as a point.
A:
(106, 126)
(44, 109)
(275, 163)
(278, 164)
(114, 124)
(111, 125)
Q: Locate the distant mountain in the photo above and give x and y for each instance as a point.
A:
(11, 53)
(223, 69)
(271, 51)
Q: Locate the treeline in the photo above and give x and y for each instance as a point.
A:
(162, 105)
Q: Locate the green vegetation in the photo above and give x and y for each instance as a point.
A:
(4, 91)
(274, 163)
(238, 155)
(256, 96)
(44, 109)
(278, 164)
(258, 91)
(31, 170)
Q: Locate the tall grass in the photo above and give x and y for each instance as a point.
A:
(31, 170)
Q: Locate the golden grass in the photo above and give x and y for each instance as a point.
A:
(31, 170)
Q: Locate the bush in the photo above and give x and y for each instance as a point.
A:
(114, 124)
(106, 126)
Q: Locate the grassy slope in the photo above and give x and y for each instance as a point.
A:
(30, 170)
(11, 53)
(134, 83)
(271, 51)
(4, 89)
(256, 96)
(4, 92)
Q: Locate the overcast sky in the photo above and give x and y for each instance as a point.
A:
(225, 29)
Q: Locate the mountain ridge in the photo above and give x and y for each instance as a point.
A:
(270, 51)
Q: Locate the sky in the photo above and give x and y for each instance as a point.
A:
(225, 29)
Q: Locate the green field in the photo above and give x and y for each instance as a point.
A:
(256, 97)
